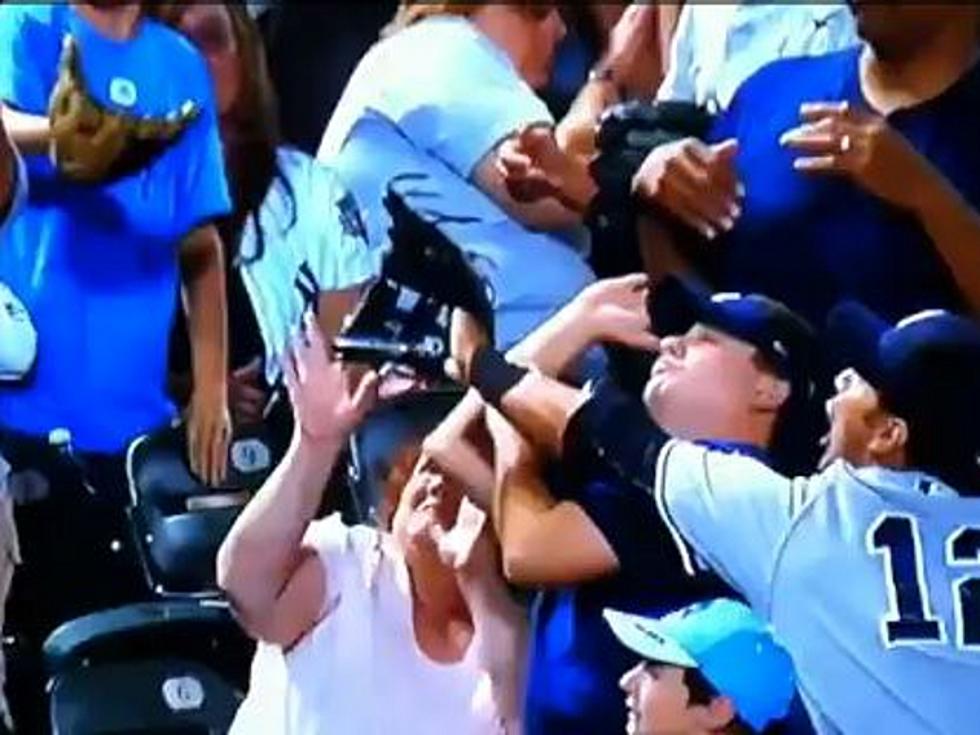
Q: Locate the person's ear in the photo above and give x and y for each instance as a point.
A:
(719, 714)
(771, 393)
(890, 437)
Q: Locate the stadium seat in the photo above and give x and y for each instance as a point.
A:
(147, 697)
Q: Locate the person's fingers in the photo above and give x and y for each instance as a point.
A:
(534, 189)
(815, 111)
(513, 167)
(642, 340)
(367, 392)
(692, 197)
(193, 456)
(313, 334)
(247, 392)
(829, 164)
(813, 143)
(219, 452)
(726, 150)
(249, 371)
(826, 129)
(451, 368)
(248, 407)
(289, 375)
(297, 351)
(681, 209)
(631, 282)
(202, 441)
(718, 207)
(538, 141)
(245, 413)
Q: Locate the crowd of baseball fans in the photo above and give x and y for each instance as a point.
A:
(709, 236)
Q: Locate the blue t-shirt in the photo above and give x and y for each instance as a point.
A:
(575, 660)
(97, 265)
(811, 240)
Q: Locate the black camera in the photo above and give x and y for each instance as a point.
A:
(404, 317)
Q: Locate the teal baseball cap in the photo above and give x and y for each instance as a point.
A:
(729, 644)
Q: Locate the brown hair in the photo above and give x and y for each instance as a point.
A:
(702, 693)
(251, 162)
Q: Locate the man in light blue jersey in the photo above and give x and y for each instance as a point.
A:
(868, 571)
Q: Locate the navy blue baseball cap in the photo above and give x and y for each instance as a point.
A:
(926, 370)
(782, 337)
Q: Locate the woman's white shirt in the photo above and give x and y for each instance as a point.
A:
(359, 670)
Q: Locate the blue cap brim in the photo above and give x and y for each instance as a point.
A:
(853, 338)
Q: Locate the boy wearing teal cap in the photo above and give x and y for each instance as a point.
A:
(709, 668)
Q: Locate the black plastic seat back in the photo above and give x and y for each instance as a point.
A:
(391, 427)
(148, 697)
(179, 521)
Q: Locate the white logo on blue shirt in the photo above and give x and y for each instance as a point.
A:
(122, 91)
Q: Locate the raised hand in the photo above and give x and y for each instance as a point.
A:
(616, 308)
(694, 182)
(534, 167)
(246, 398)
(327, 404)
(839, 139)
(209, 432)
(634, 50)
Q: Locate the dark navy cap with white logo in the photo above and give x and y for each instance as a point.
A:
(926, 370)
(785, 339)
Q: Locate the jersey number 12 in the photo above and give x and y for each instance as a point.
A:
(910, 618)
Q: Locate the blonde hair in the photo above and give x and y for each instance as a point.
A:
(412, 11)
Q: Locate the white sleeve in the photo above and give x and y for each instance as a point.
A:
(473, 100)
(730, 510)
(678, 84)
(339, 253)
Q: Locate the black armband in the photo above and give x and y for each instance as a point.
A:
(493, 376)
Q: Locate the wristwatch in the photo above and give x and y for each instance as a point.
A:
(603, 73)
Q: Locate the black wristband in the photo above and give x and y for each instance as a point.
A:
(493, 376)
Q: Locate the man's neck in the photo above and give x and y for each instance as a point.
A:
(744, 431)
(893, 81)
(116, 21)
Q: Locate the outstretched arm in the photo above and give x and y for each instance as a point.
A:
(610, 310)
(543, 408)
(543, 541)
(274, 582)
(203, 284)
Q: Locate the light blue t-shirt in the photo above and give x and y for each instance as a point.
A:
(97, 265)
(423, 108)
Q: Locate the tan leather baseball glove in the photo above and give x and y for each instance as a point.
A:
(91, 143)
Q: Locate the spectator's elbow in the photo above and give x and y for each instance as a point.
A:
(519, 559)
